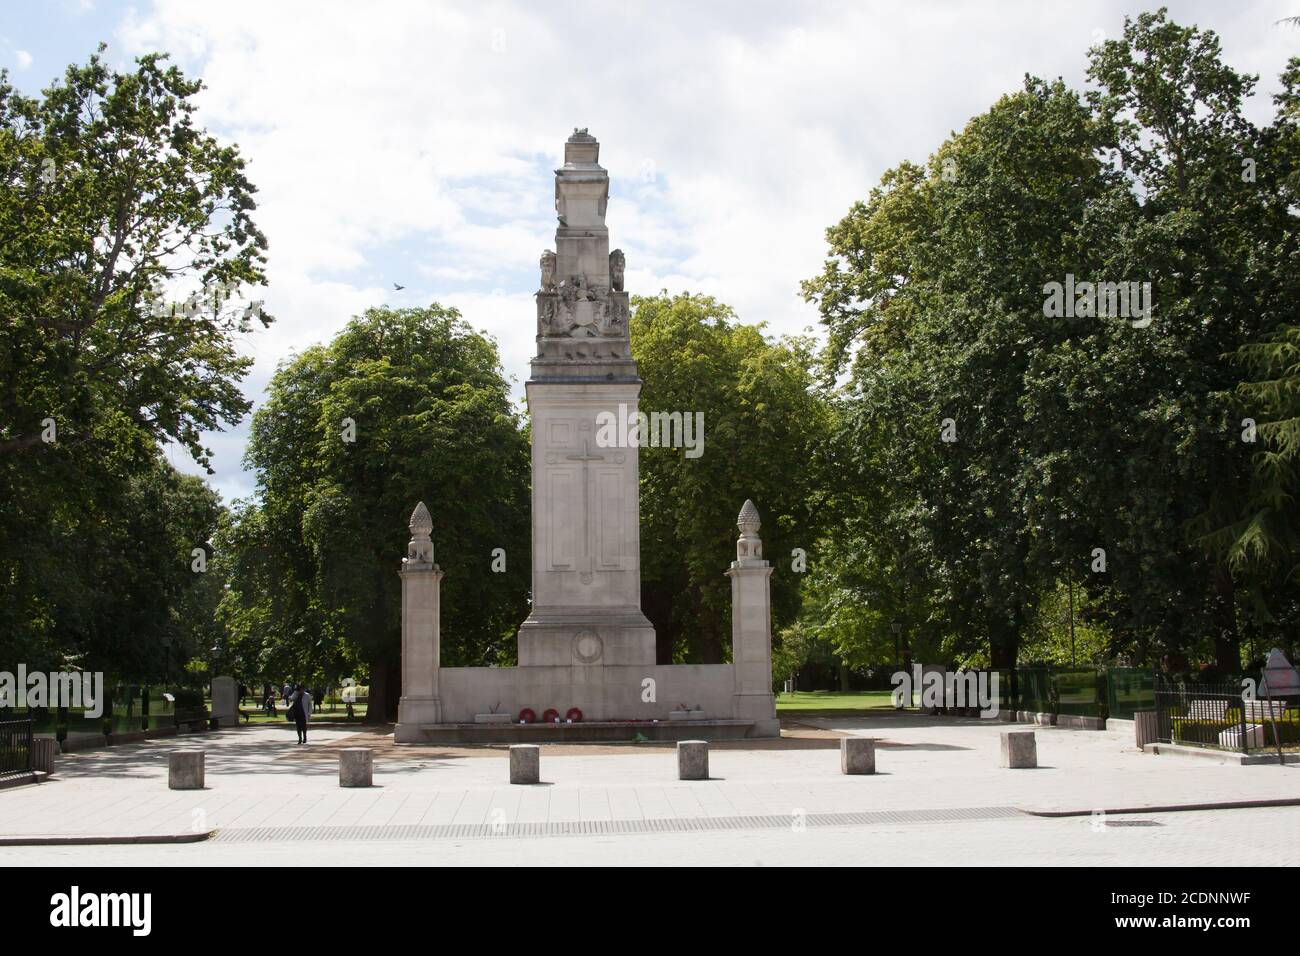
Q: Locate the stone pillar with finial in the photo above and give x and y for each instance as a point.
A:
(421, 597)
(751, 628)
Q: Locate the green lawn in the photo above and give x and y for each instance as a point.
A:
(339, 713)
(833, 700)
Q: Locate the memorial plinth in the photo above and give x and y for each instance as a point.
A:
(586, 645)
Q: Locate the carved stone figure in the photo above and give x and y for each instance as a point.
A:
(603, 316)
(611, 315)
(618, 313)
(616, 264)
(547, 319)
(548, 271)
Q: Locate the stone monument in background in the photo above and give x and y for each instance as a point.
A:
(586, 651)
(225, 701)
(586, 514)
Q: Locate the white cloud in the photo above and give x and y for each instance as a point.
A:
(23, 58)
(413, 143)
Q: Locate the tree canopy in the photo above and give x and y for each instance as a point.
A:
(765, 426)
(404, 405)
(126, 236)
(998, 449)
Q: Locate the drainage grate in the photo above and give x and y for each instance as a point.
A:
(474, 831)
(1133, 823)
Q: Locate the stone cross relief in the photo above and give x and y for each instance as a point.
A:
(586, 457)
(585, 562)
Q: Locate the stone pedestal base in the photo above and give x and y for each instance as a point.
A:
(412, 712)
(525, 763)
(858, 755)
(761, 709)
(356, 767)
(612, 640)
(1019, 749)
(692, 760)
(185, 770)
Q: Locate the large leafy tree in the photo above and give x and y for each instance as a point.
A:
(765, 426)
(1264, 538)
(1070, 435)
(134, 593)
(109, 194)
(402, 406)
(125, 236)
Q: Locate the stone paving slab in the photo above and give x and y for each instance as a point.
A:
(257, 777)
(1186, 840)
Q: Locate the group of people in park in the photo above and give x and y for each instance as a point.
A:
(298, 699)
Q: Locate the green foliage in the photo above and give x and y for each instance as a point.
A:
(1268, 535)
(113, 587)
(765, 428)
(1062, 635)
(1072, 433)
(108, 191)
(313, 558)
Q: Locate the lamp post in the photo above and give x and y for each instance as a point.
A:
(897, 628)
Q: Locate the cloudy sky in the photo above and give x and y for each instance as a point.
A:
(415, 142)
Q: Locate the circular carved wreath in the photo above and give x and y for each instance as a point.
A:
(527, 716)
(550, 716)
(573, 714)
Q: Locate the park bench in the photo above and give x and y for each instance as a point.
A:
(1258, 711)
(1207, 710)
(1191, 727)
(195, 717)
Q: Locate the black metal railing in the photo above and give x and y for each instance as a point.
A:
(15, 746)
(1219, 717)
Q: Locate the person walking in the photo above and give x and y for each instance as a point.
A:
(300, 710)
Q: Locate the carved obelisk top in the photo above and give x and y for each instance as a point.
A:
(582, 308)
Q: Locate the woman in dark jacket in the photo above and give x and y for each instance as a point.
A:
(300, 710)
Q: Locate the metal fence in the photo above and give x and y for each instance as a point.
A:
(15, 746)
(1218, 717)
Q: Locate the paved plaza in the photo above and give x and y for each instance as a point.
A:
(939, 797)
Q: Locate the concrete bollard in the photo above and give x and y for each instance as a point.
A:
(1019, 749)
(525, 763)
(692, 760)
(857, 755)
(1145, 729)
(185, 770)
(43, 751)
(356, 767)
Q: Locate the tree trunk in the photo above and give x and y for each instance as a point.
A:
(1223, 614)
(709, 647)
(1004, 642)
(657, 603)
(385, 690)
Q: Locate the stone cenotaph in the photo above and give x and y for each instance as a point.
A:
(586, 652)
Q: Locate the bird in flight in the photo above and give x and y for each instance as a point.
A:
(399, 288)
